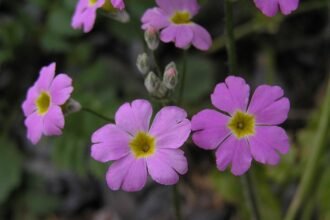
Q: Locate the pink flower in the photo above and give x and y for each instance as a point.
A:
(173, 19)
(85, 13)
(137, 148)
(42, 106)
(271, 7)
(246, 129)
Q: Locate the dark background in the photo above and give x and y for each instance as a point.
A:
(57, 179)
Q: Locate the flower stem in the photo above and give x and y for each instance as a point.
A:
(183, 76)
(308, 179)
(154, 60)
(250, 196)
(97, 114)
(176, 202)
(230, 37)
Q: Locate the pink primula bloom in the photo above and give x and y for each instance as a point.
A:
(42, 106)
(173, 19)
(246, 129)
(137, 148)
(271, 7)
(85, 13)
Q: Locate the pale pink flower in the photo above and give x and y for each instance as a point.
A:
(42, 106)
(137, 147)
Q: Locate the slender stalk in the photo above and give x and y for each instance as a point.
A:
(154, 60)
(183, 76)
(308, 179)
(176, 202)
(230, 40)
(250, 195)
(231, 50)
(97, 114)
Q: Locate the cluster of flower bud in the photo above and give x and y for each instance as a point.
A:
(155, 85)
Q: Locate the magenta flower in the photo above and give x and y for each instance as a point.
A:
(173, 19)
(42, 106)
(245, 130)
(271, 7)
(85, 13)
(137, 148)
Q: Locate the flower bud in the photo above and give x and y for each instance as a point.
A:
(151, 37)
(71, 106)
(170, 78)
(142, 63)
(155, 86)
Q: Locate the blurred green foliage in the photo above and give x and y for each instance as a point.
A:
(102, 63)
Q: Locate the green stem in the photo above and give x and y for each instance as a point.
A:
(183, 76)
(176, 202)
(97, 114)
(308, 179)
(250, 195)
(154, 60)
(231, 50)
(230, 41)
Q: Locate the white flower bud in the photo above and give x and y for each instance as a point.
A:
(155, 86)
(151, 37)
(170, 78)
(71, 106)
(142, 63)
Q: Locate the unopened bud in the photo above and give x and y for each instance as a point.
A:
(155, 86)
(151, 37)
(170, 78)
(142, 63)
(71, 106)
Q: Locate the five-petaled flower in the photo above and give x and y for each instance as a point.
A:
(42, 106)
(243, 130)
(137, 148)
(174, 19)
(271, 7)
(85, 13)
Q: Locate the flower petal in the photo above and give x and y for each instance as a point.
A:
(267, 142)
(288, 6)
(268, 7)
(170, 127)
(134, 117)
(29, 105)
(210, 128)
(236, 152)
(202, 39)
(46, 77)
(154, 18)
(184, 36)
(269, 106)
(34, 125)
(109, 143)
(161, 168)
(53, 121)
(127, 173)
(88, 19)
(191, 6)
(169, 6)
(232, 95)
(119, 4)
(61, 89)
(168, 34)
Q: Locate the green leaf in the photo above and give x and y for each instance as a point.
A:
(10, 168)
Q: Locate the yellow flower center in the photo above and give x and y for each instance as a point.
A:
(92, 2)
(181, 17)
(142, 145)
(108, 7)
(43, 103)
(242, 124)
